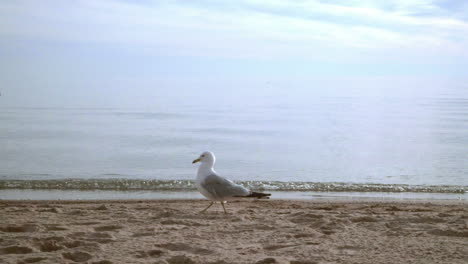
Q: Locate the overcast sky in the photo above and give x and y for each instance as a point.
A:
(142, 53)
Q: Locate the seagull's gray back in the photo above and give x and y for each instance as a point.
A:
(222, 189)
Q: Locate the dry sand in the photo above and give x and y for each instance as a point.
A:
(253, 232)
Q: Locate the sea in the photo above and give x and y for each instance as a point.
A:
(325, 146)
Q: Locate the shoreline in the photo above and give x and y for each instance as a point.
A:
(28, 194)
(339, 200)
(257, 231)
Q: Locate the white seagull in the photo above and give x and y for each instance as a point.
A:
(217, 188)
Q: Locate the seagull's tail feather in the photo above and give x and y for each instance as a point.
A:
(258, 195)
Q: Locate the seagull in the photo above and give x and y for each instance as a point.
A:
(217, 188)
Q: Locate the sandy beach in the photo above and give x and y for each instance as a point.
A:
(274, 231)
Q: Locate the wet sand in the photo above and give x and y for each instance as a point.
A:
(275, 231)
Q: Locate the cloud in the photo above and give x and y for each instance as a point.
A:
(246, 28)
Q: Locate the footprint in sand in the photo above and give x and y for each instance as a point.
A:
(102, 207)
(449, 232)
(82, 244)
(77, 212)
(99, 237)
(108, 228)
(55, 227)
(143, 234)
(51, 210)
(180, 260)
(267, 261)
(313, 219)
(349, 250)
(279, 246)
(149, 253)
(181, 222)
(15, 250)
(32, 260)
(55, 243)
(87, 223)
(49, 246)
(303, 262)
(364, 219)
(77, 256)
(20, 228)
(186, 248)
(102, 262)
(305, 233)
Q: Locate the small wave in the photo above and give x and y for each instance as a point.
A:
(189, 185)
(148, 115)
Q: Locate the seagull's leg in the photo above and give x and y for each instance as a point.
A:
(202, 211)
(222, 203)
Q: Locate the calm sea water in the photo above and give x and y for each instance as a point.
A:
(417, 141)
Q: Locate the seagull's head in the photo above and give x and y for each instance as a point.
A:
(206, 157)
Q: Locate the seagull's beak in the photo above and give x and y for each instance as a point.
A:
(195, 161)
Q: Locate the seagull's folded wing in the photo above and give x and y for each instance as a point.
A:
(220, 187)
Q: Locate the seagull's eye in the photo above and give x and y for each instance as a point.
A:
(203, 156)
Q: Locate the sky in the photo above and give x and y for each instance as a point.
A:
(140, 53)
